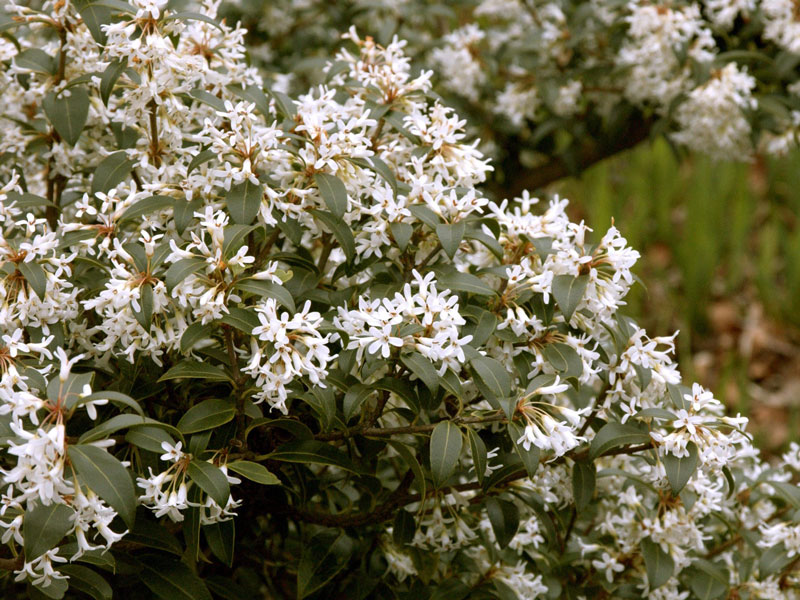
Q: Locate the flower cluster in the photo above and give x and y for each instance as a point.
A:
(208, 284)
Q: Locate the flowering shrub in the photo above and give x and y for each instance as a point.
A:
(263, 346)
(554, 86)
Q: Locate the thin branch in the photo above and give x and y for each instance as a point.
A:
(409, 429)
(520, 178)
(12, 564)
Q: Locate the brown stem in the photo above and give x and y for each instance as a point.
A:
(237, 383)
(409, 429)
(155, 149)
(12, 564)
(518, 178)
(327, 246)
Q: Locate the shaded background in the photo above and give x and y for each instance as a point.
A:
(720, 247)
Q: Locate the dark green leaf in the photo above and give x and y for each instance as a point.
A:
(253, 472)
(616, 435)
(479, 456)
(149, 438)
(413, 464)
(680, 470)
(268, 289)
(180, 270)
(195, 370)
(354, 398)
(193, 334)
(450, 235)
(68, 113)
(660, 565)
(445, 450)
(464, 282)
(243, 201)
(403, 528)
(493, 381)
(192, 16)
(583, 484)
(241, 318)
(35, 276)
(145, 315)
(333, 192)
(504, 517)
(211, 480)
(206, 415)
(110, 77)
(323, 557)
(183, 212)
(36, 60)
(422, 368)
(106, 477)
(529, 457)
(401, 232)
(314, 452)
(146, 206)
(340, 231)
(172, 580)
(221, 537)
(119, 422)
(772, 560)
(568, 292)
(253, 95)
(44, 526)
(564, 359)
(84, 579)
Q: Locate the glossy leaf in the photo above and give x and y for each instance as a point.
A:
(445, 451)
(106, 477)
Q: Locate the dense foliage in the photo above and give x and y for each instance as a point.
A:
(256, 345)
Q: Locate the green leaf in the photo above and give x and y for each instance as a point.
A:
(211, 480)
(119, 422)
(354, 398)
(772, 560)
(425, 214)
(154, 535)
(145, 315)
(411, 460)
(450, 235)
(193, 369)
(616, 435)
(788, 492)
(68, 114)
(314, 452)
(110, 76)
(192, 16)
(36, 60)
(403, 528)
(493, 382)
(464, 282)
(106, 477)
(193, 334)
(199, 159)
(36, 277)
(244, 200)
(208, 98)
(583, 484)
(253, 95)
(504, 517)
(84, 579)
(183, 212)
(114, 397)
(98, 13)
(283, 104)
(180, 270)
(340, 231)
(172, 580)
(445, 450)
(44, 526)
(149, 438)
(568, 292)
(484, 325)
(254, 472)
(333, 192)
(659, 564)
(145, 206)
(111, 171)
(706, 585)
(451, 589)
(529, 457)
(322, 558)
(380, 167)
(268, 289)
(564, 359)
(479, 456)
(401, 232)
(221, 537)
(680, 470)
(206, 415)
(68, 392)
(422, 368)
(241, 318)
(234, 238)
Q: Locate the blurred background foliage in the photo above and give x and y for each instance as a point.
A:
(720, 245)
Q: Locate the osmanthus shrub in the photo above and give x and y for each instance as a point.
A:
(262, 346)
(552, 86)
